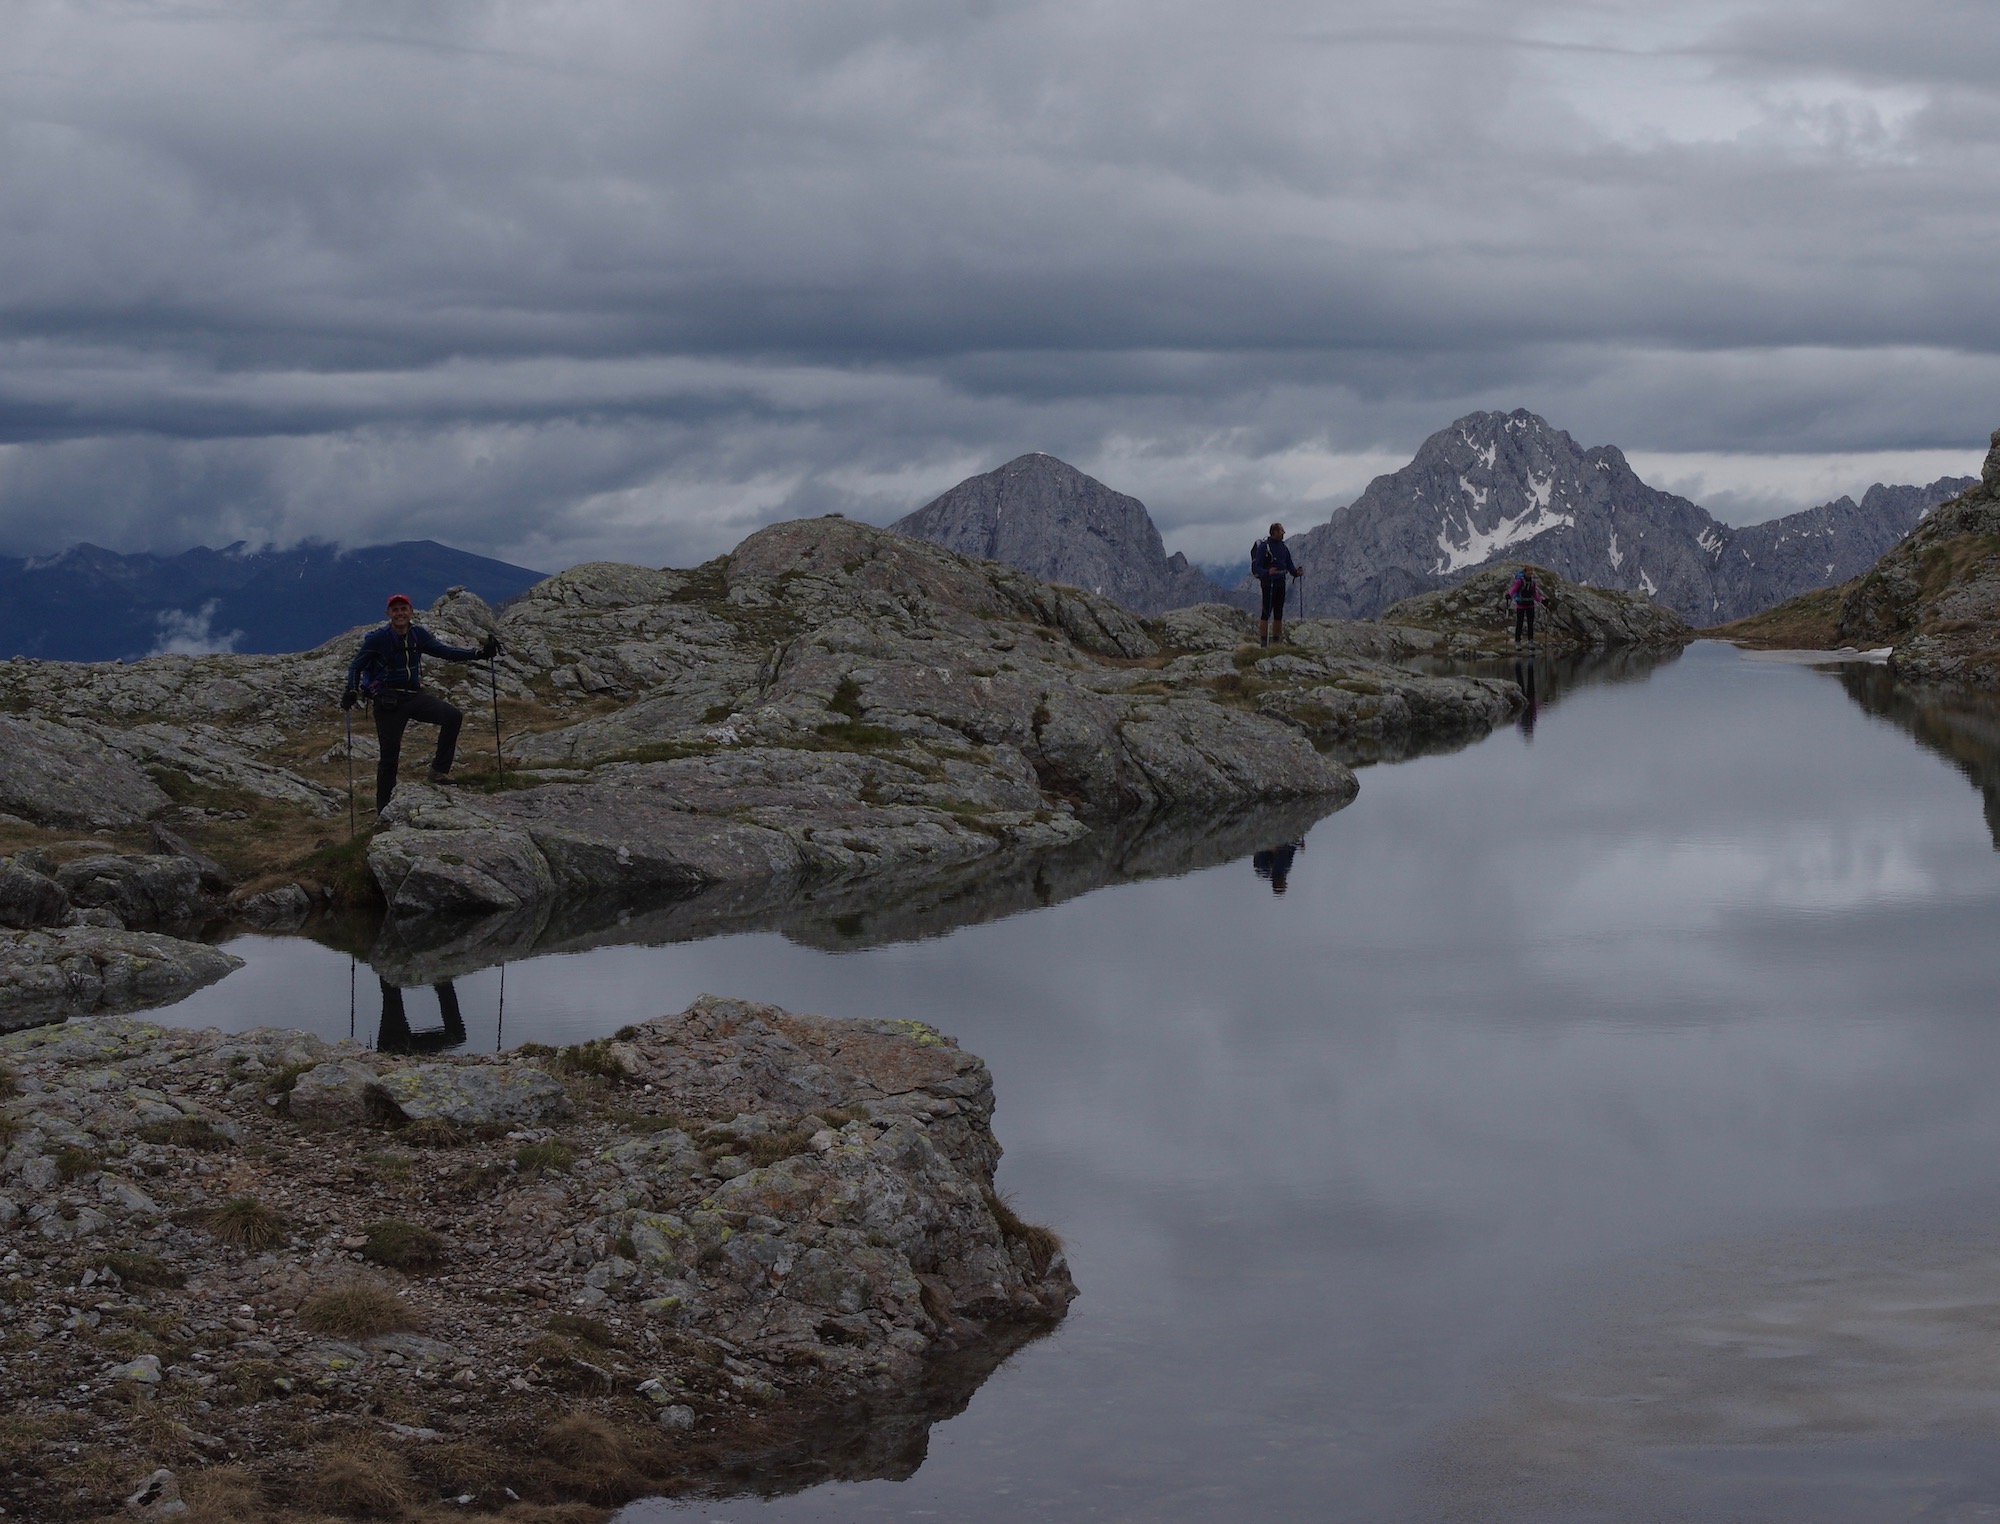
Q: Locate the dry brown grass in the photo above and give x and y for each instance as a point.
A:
(243, 1221)
(404, 1245)
(1043, 1244)
(362, 1481)
(357, 1310)
(221, 1495)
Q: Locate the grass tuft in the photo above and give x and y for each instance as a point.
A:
(185, 1132)
(75, 1163)
(591, 1058)
(404, 1245)
(533, 1158)
(1043, 1244)
(365, 1482)
(356, 1310)
(242, 1221)
(767, 1148)
(574, 1325)
(142, 1269)
(10, 1083)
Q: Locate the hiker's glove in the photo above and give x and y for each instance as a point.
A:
(350, 698)
(492, 647)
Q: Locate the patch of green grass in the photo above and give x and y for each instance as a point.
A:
(404, 1245)
(437, 1132)
(846, 698)
(142, 1269)
(281, 1081)
(591, 1058)
(391, 1166)
(185, 1132)
(533, 1158)
(574, 1325)
(75, 1163)
(182, 789)
(853, 735)
(344, 866)
(766, 1148)
(10, 1083)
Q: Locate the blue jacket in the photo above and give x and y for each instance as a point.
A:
(387, 660)
(1271, 558)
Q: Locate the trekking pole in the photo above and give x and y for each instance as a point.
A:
(493, 680)
(347, 720)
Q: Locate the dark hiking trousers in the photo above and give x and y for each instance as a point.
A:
(1274, 597)
(1524, 619)
(395, 708)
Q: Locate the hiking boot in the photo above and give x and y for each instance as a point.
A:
(437, 779)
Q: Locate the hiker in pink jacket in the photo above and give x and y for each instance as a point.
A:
(1524, 594)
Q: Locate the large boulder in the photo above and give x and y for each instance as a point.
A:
(141, 890)
(29, 897)
(54, 775)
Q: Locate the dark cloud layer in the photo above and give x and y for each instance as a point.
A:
(561, 280)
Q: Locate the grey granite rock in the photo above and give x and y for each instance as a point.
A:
(141, 890)
(54, 774)
(476, 1094)
(29, 897)
(47, 974)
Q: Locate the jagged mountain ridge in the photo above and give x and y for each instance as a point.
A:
(93, 604)
(1497, 487)
(1052, 521)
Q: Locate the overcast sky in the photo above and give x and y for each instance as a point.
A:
(578, 279)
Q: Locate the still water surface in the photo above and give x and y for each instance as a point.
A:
(1603, 1124)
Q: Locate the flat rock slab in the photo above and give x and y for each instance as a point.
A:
(47, 974)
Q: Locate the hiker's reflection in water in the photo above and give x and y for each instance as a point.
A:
(395, 1035)
(1275, 863)
(1524, 676)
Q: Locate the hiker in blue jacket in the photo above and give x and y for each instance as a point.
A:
(1270, 563)
(388, 670)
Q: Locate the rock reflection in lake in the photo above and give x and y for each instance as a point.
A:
(900, 906)
(1544, 681)
(1961, 727)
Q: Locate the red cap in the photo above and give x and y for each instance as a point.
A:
(396, 598)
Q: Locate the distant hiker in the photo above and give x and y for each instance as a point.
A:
(1524, 594)
(1270, 563)
(388, 670)
(1275, 864)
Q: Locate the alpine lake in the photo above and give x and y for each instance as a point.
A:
(1600, 1122)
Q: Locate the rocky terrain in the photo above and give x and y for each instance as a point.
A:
(1494, 488)
(1053, 522)
(259, 1276)
(829, 704)
(1572, 617)
(1933, 600)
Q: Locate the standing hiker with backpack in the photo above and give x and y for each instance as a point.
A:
(1271, 563)
(1524, 594)
(388, 670)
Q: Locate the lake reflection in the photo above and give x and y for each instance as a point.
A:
(1597, 1128)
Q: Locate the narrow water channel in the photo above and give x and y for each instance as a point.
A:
(1602, 1123)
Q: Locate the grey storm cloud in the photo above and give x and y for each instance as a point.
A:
(562, 280)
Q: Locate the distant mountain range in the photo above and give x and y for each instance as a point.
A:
(1500, 487)
(93, 604)
(1491, 488)
(1052, 521)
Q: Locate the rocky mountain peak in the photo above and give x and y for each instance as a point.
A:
(1052, 521)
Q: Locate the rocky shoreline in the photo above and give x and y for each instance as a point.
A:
(298, 1277)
